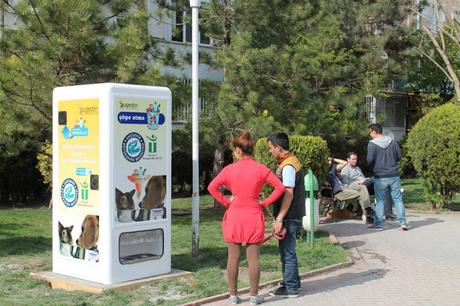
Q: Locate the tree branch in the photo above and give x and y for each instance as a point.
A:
(39, 20)
(10, 96)
(452, 37)
(447, 62)
(441, 35)
(436, 63)
(14, 11)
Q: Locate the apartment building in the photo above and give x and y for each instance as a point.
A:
(397, 110)
(172, 31)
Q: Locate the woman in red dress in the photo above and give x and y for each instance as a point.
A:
(243, 221)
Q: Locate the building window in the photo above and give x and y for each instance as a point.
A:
(182, 31)
(391, 112)
(374, 27)
(436, 18)
(395, 112)
(371, 109)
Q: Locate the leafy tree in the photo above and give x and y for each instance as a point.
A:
(434, 148)
(430, 85)
(443, 36)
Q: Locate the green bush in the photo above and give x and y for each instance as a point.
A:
(434, 148)
(45, 163)
(312, 151)
(406, 167)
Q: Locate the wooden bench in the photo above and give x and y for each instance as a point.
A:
(330, 202)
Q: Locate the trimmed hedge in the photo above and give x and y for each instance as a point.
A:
(434, 148)
(312, 151)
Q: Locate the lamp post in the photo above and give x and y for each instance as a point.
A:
(195, 5)
(311, 233)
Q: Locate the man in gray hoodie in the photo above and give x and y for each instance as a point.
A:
(383, 154)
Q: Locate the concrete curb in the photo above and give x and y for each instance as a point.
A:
(450, 212)
(275, 283)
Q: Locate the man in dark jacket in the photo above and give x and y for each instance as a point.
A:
(383, 154)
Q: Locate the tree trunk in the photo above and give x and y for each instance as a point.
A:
(433, 206)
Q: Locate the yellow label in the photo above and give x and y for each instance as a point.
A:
(78, 157)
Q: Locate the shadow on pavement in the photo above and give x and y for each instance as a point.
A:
(341, 281)
(413, 224)
(353, 244)
(426, 221)
(335, 282)
(346, 228)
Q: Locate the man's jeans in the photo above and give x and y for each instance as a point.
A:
(393, 186)
(290, 270)
(369, 183)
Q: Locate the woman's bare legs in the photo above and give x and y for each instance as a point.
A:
(233, 265)
(252, 254)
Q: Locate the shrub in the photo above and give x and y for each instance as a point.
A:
(182, 162)
(45, 163)
(312, 151)
(434, 148)
(406, 167)
(21, 183)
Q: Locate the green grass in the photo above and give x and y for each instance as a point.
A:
(25, 246)
(414, 199)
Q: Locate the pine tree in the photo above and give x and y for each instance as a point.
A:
(63, 42)
(50, 43)
(305, 67)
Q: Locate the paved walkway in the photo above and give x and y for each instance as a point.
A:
(392, 267)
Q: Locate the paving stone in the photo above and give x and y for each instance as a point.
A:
(392, 267)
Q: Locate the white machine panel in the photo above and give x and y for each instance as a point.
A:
(112, 182)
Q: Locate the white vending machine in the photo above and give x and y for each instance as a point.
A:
(111, 182)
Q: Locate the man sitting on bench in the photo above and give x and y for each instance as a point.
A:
(352, 175)
(343, 192)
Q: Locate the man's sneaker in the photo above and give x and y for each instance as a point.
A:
(375, 227)
(283, 292)
(370, 220)
(404, 227)
(391, 217)
(256, 300)
(234, 299)
(294, 294)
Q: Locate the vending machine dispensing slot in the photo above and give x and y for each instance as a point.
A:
(141, 246)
